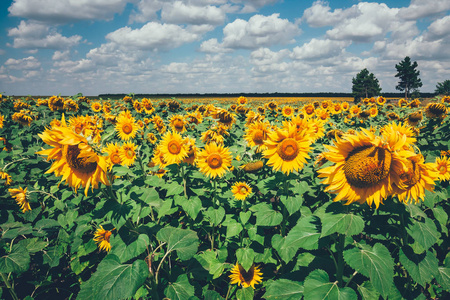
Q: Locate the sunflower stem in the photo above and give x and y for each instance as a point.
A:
(340, 259)
(8, 285)
(183, 175)
(284, 210)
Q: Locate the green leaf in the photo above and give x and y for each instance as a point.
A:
(173, 188)
(113, 280)
(184, 241)
(166, 208)
(318, 287)
(375, 263)
(192, 206)
(425, 234)
(440, 215)
(180, 289)
(245, 257)
(368, 291)
(215, 215)
(244, 216)
(422, 268)
(233, 227)
(245, 294)
(212, 295)
(17, 261)
(149, 196)
(443, 277)
(284, 289)
(347, 224)
(33, 245)
(292, 204)
(266, 216)
(126, 252)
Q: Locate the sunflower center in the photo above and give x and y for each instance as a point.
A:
(82, 164)
(107, 235)
(115, 158)
(288, 149)
(412, 176)
(127, 128)
(129, 153)
(243, 190)
(214, 161)
(442, 169)
(247, 277)
(366, 166)
(178, 124)
(174, 147)
(259, 137)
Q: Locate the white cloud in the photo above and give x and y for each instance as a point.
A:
(319, 49)
(153, 36)
(264, 56)
(61, 55)
(424, 8)
(65, 11)
(146, 11)
(36, 35)
(253, 5)
(28, 63)
(438, 29)
(213, 46)
(181, 13)
(319, 14)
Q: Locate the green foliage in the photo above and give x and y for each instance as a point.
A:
(365, 85)
(443, 88)
(409, 76)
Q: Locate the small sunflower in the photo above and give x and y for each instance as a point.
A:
(6, 177)
(309, 109)
(381, 100)
(151, 138)
(242, 100)
(214, 160)
(20, 195)
(373, 111)
(189, 143)
(256, 134)
(96, 106)
(287, 149)
(113, 151)
(128, 153)
(414, 118)
(252, 167)
(126, 127)
(241, 190)
(442, 166)
(177, 123)
(101, 237)
(173, 148)
(287, 111)
(246, 278)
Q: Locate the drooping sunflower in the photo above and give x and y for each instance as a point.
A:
(414, 103)
(74, 158)
(20, 195)
(414, 118)
(445, 99)
(6, 177)
(287, 148)
(173, 148)
(256, 134)
(442, 166)
(191, 149)
(126, 127)
(246, 278)
(177, 123)
(365, 166)
(241, 190)
(127, 153)
(402, 102)
(253, 166)
(418, 177)
(214, 160)
(70, 105)
(113, 151)
(253, 117)
(435, 111)
(102, 237)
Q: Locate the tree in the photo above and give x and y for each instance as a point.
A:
(443, 88)
(409, 76)
(365, 85)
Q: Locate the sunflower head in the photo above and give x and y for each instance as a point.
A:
(214, 160)
(173, 148)
(126, 127)
(102, 237)
(245, 278)
(442, 166)
(435, 111)
(241, 190)
(21, 197)
(414, 118)
(127, 153)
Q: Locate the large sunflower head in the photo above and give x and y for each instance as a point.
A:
(126, 127)
(241, 190)
(214, 160)
(435, 111)
(246, 278)
(256, 134)
(173, 148)
(287, 111)
(96, 106)
(21, 197)
(287, 148)
(177, 123)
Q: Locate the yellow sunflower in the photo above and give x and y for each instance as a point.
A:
(252, 167)
(177, 123)
(345, 106)
(435, 111)
(173, 148)
(256, 134)
(404, 130)
(20, 195)
(101, 237)
(373, 111)
(113, 151)
(96, 106)
(365, 166)
(74, 158)
(151, 138)
(214, 160)
(242, 100)
(126, 127)
(246, 278)
(241, 190)
(414, 118)
(381, 100)
(6, 177)
(128, 153)
(309, 109)
(191, 149)
(287, 111)
(287, 149)
(442, 166)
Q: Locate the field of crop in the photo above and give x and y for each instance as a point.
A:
(224, 198)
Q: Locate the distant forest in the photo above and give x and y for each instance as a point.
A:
(230, 95)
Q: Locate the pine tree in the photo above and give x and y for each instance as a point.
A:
(443, 88)
(409, 76)
(365, 85)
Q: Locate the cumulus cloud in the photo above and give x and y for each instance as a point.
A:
(318, 49)
(181, 13)
(438, 29)
(65, 11)
(265, 56)
(28, 63)
(253, 5)
(153, 36)
(61, 55)
(424, 8)
(320, 14)
(36, 35)
(213, 46)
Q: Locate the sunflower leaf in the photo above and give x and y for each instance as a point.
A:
(375, 263)
(17, 261)
(284, 289)
(368, 291)
(180, 289)
(425, 233)
(113, 280)
(422, 268)
(318, 287)
(215, 215)
(347, 224)
(443, 277)
(265, 215)
(184, 241)
(245, 257)
(245, 294)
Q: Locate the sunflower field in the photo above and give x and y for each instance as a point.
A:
(164, 199)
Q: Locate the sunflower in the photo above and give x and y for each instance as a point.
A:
(272, 105)
(402, 102)
(2, 119)
(381, 100)
(355, 109)
(194, 117)
(191, 149)
(404, 130)
(309, 109)
(435, 111)
(242, 100)
(127, 153)
(373, 111)
(392, 116)
(442, 165)
(336, 108)
(445, 99)
(138, 106)
(173, 148)
(151, 138)
(177, 123)
(126, 127)
(241, 190)
(287, 148)
(96, 106)
(256, 134)
(246, 278)
(113, 151)
(70, 105)
(20, 195)
(253, 117)
(365, 166)
(287, 111)
(414, 118)
(214, 160)
(325, 104)
(6, 177)
(75, 159)
(414, 103)
(56, 103)
(418, 177)
(252, 167)
(101, 237)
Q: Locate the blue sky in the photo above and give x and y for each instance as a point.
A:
(216, 46)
